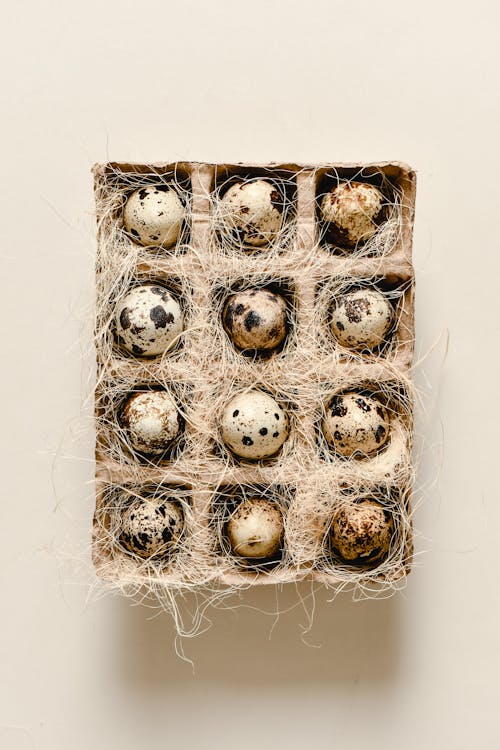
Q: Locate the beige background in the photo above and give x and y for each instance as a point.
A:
(230, 81)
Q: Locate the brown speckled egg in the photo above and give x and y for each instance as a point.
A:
(352, 212)
(255, 319)
(361, 532)
(153, 215)
(362, 319)
(150, 526)
(151, 421)
(254, 425)
(253, 211)
(148, 320)
(255, 529)
(355, 425)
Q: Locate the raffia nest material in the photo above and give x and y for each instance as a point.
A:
(204, 370)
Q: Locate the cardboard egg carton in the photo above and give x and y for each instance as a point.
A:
(198, 264)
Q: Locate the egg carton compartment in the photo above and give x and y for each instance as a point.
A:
(232, 509)
(383, 410)
(253, 208)
(274, 426)
(244, 307)
(116, 183)
(380, 234)
(388, 555)
(358, 300)
(123, 418)
(141, 311)
(306, 370)
(126, 559)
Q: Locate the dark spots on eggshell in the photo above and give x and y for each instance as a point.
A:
(143, 193)
(276, 415)
(247, 440)
(380, 412)
(154, 237)
(228, 317)
(337, 235)
(263, 431)
(355, 309)
(159, 316)
(134, 232)
(252, 320)
(239, 309)
(244, 209)
(337, 408)
(379, 434)
(162, 292)
(340, 326)
(137, 350)
(166, 534)
(161, 510)
(363, 405)
(236, 412)
(274, 332)
(337, 435)
(125, 318)
(275, 434)
(135, 329)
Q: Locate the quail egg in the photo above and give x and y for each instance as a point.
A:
(150, 526)
(153, 215)
(253, 211)
(361, 532)
(256, 319)
(355, 425)
(362, 319)
(254, 425)
(151, 421)
(148, 320)
(352, 212)
(255, 529)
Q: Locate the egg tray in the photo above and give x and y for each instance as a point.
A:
(202, 268)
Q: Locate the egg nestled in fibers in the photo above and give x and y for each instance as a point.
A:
(254, 425)
(151, 421)
(253, 212)
(352, 213)
(356, 425)
(150, 526)
(148, 320)
(154, 215)
(256, 319)
(255, 528)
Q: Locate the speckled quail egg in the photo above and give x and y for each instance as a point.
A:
(361, 532)
(150, 526)
(148, 320)
(362, 319)
(254, 425)
(355, 425)
(255, 529)
(256, 319)
(253, 211)
(352, 212)
(153, 215)
(151, 421)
